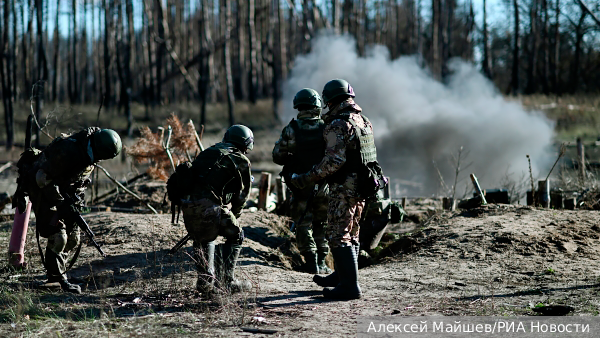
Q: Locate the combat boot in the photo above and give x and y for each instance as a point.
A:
(227, 255)
(205, 264)
(321, 265)
(68, 287)
(346, 264)
(310, 262)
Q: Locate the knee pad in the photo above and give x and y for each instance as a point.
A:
(58, 241)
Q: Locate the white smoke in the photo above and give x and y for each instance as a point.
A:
(418, 120)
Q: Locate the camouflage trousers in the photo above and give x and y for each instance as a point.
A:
(310, 235)
(62, 238)
(205, 220)
(343, 217)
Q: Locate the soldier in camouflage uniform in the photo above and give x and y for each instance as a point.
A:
(220, 175)
(301, 146)
(62, 169)
(349, 147)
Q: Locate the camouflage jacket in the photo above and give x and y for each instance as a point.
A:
(341, 139)
(222, 174)
(64, 166)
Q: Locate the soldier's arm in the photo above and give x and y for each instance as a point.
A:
(239, 200)
(284, 147)
(336, 136)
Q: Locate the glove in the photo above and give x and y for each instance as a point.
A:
(300, 181)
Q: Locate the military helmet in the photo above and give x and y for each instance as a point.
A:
(240, 136)
(336, 88)
(309, 97)
(106, 144)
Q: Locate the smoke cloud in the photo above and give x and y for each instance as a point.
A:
(418, 120)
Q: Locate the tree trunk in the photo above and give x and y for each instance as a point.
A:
(55, 58)
(42, 69)
(15, 54)
(546, 42)
(436, 67)
(516, 50)
(253, 83)
(160, 50)
(487, 61)
(107, 81)
(533, 49)
(73, 95)
(227, 62)
(335, 12)
(556, 74)
(5, 77)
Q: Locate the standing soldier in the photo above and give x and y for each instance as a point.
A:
(55, 178)
(218, 176)
(350, 167)
(301, 146)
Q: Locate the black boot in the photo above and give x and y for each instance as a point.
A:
(54, 262)
(332, 279)
(321, 265)
(347, 267)
(205, 264)
(227, 255)
(68, 287)
(310, 262)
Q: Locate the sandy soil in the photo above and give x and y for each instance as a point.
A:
(495, 260)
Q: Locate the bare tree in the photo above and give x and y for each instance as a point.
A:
(487, 61)
(253, 61)
(5, 71)
(227, 62)
(516, 51)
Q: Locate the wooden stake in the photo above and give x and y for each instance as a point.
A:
(265, 189)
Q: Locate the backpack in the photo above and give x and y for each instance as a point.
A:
(178, 185)
(24, 169)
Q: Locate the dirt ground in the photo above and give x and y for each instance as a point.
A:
(494, 260)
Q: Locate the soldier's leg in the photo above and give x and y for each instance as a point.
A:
(304, 233)
(344, 214)
(227, 254)
(56, 257)
(319, 224)
(204, 254)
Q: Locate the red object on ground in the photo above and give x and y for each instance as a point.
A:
(16, 246)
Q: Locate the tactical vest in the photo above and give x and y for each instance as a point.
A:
(212, 170)
(310, 148)
(357, 159)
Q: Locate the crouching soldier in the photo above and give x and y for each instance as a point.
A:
(55, 179)
(301, 146)
(220, 175)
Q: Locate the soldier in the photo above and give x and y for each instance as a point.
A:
(351, 169)
(301, 146)
(49, 177)
(218, 176)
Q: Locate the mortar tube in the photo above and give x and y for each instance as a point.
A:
(18, 236)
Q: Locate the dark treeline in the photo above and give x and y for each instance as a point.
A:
(162, 51)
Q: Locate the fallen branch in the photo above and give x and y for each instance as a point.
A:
(5, 166)
(563, 149)
(125, 189)
(116, 189)
(253, 330)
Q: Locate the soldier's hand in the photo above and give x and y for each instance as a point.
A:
(300, 181)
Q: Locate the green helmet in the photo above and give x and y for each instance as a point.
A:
(309, 97)
(106, 144)
(336, 88)
(240, 136)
